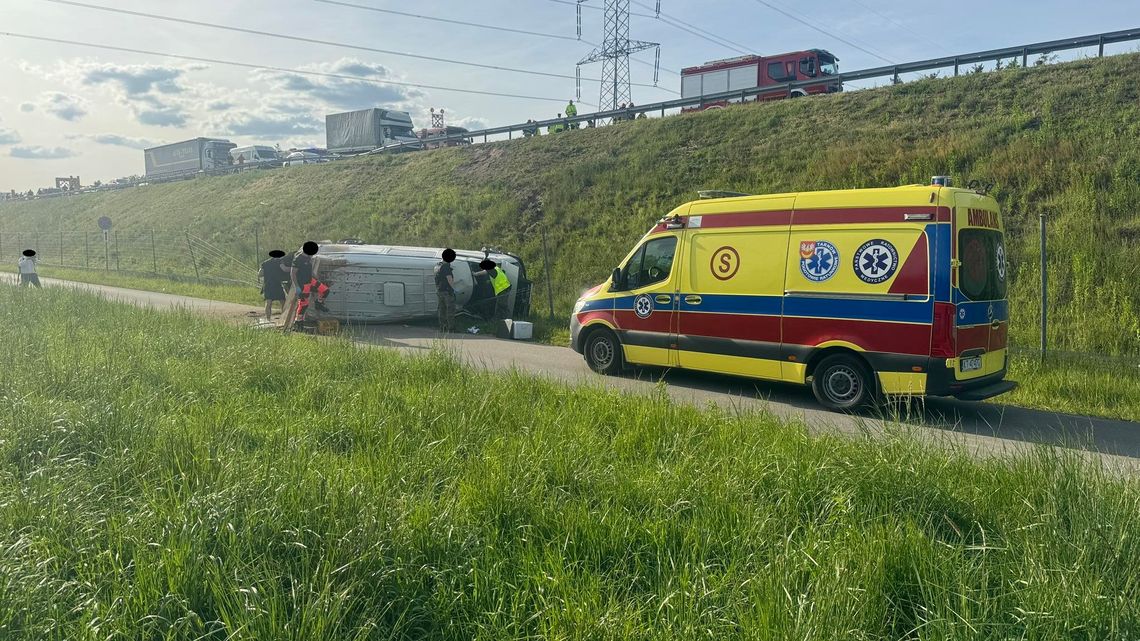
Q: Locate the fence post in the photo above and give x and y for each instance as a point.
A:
(87, 249)
(256, 247)
(194, 260)
(1100, 47)
(106, 251)
(1044, 293)
(153, 254)
(61, 261)
(546, 268)
(115, 236)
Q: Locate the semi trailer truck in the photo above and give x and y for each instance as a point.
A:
(188, 157)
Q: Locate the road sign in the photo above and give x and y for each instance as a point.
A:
(105, 223)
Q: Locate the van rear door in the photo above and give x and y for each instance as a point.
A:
(979, 286)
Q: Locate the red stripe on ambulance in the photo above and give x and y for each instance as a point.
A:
(873, 336)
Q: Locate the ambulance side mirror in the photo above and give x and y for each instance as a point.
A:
(615, 280)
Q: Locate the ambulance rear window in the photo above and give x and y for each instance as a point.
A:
(982, 275)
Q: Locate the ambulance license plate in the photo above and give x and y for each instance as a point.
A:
(972, 363)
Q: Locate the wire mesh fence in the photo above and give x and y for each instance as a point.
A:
(183, 255)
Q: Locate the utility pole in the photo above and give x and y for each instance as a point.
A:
(614, 55)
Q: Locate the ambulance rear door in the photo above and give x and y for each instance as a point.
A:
(982, 318)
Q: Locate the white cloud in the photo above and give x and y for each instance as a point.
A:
(154, 94)
(35, 152)
(343, 93)
(9, 136)
(135, 80)
(269, 124)
(164, 116)
(115, 140)
(27, 107)
(63, 106)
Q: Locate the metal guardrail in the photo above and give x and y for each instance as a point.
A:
(1024, 51)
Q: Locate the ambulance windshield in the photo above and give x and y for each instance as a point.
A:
(982, 275)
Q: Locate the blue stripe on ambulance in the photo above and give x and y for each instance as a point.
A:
(845, 309)
(978, 313)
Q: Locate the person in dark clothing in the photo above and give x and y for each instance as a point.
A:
(445, 291)
(273, 275)
(300, 275)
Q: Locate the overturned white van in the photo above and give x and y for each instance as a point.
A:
(387, 283)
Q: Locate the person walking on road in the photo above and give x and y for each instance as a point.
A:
(445, 291)
(299, 275)
(27, 268)
(273, 276)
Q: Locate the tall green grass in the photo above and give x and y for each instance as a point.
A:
(167, 477)
(1058, 140)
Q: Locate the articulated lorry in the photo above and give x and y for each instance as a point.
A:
(188, 157)
(357, 132)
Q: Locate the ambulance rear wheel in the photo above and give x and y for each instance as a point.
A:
(842, 383)
(603, 352)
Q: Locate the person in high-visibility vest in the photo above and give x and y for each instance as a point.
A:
(572, 111)
(555, 128)
(500, 283)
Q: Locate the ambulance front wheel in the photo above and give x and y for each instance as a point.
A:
(603, 352)
(842, 383)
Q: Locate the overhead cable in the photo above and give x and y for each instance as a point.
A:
(303, 72)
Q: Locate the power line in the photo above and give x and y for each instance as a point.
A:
(303, 72)
(323, 42)
(596, 45)
(678, 23)
(447, 20)
(590, 6)
(826, 33)
(924, 38)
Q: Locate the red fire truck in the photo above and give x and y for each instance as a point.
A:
(748, 72)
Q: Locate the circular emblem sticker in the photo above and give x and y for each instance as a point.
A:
(819, 260)
(725, 263)
(643, 306)
(962, 313)
(1001, 261)
(876, 261)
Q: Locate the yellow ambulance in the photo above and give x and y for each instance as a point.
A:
(858, 293)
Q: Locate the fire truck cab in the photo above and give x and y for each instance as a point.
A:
(749, 72)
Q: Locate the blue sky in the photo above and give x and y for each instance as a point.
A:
(68, 110)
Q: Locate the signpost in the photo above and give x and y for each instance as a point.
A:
(105, 225)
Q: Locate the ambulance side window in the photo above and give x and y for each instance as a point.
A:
(652, 263)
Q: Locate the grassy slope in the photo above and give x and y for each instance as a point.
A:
(162, 476)
(1059, 140)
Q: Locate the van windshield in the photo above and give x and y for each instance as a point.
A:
(982, 275)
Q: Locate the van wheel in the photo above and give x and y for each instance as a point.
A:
(842, 383)
(603, 352)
